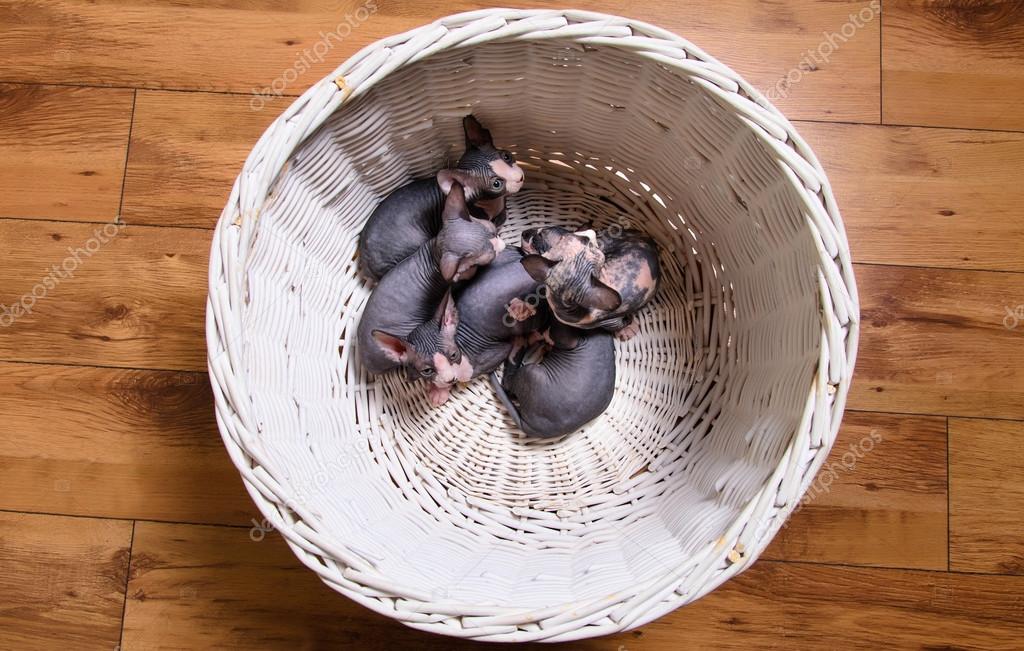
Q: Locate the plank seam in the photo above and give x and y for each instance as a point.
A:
(127, 154)
(949, 504)
(127, 580)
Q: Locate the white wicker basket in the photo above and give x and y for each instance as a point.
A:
(726, 404)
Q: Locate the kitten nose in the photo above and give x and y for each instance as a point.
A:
(445, 376)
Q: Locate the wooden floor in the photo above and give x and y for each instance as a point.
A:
(122, 521)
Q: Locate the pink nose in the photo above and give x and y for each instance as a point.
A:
(446, 376)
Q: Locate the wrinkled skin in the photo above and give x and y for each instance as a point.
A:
(410, 319)
(429, 353)
(411, 215)
(562, 389)
(594, 280)
(489, 318)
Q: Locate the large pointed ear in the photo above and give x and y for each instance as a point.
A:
(446, 178)
(447, 315)
(449, 265)
(537, 266)
(476, 134)
(455, 204)
(589, 236)
(395, 348)
(455, 267)
(600, 297)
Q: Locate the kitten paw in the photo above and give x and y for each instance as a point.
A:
(518, 343)
(438, 395)
(628, 331)
(520, 310)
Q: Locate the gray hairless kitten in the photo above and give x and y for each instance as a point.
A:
(494, 310)
(410, 319)
(563, 389)
(411, 215)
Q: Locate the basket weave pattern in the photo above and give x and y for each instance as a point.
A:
(726, 404)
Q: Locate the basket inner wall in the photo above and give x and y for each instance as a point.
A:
(708, 395)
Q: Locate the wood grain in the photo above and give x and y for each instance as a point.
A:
(63, 580)
(215, 587)
(954, 63)
(880, 499)
(116, 443)
(133, 435)
(96, 294)
(926, 197)
(62, 151)
(986, 475)
(195, 586)
(186, 150)
(183, 45)
(933, 342)
(800, 606)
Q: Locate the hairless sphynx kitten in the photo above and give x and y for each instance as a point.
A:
(411, 215)
(563, 389)
(410, 319)
(594, 280)
(494, 310)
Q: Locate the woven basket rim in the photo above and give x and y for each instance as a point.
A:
(346, 571)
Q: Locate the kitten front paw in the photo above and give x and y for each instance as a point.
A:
(520, 310)
(438, 395)
(628, 331)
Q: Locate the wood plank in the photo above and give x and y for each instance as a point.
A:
(131, 296)
(933, 342)
(147, 44)
(798, 606)
(62, 151)
(986, 475)
(215, 587)
(195, 586)
(115, 443)
(181, 45)
(879, 500)
(63, 581)
(186, 150)
(938, 197)
(954, 64)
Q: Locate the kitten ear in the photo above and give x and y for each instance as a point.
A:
(445, 179)
(455, 267)
(449, 265)
(395, 348)
(537, 266)
(601, 297)
(447, 315)
(588, 236)
(455, 204)
(476, 134)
